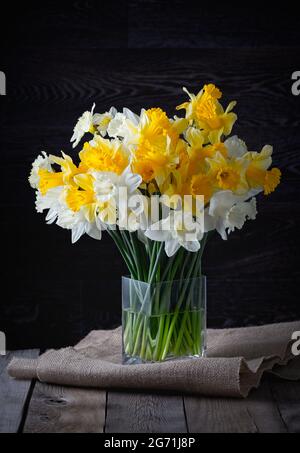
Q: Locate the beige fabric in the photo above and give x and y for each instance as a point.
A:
(236, 360)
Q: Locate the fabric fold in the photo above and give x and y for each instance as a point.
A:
(235, 363)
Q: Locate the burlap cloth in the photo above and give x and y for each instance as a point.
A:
(237, 359)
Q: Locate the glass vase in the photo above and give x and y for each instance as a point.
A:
(163, 321)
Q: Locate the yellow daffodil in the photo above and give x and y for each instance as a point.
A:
(258, 174)
(198, 162)
(85, 199)
(212, 150)
(154, 140)
(196, 157)
(202, 184)
(191, 175)
(158, 124)
(197, 185)
(104, 155)
(228, 174)
(156, 158)
(44, 178)
(82, 195)
(68, 168)
(156, 152)
(208, 115)
(198, 152)
(49, 179)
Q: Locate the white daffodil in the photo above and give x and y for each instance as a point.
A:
(41, 162)
(177, 230)
(83, 221)
(124, 125)
(236, 147)
(107, 184)
(103, 120)
(116, 126)
(85, 124)
(230, 211)
(79, 224)
(52, 201)
(239, 213)
(113, 193)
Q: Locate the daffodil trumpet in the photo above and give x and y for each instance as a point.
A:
(159, 186)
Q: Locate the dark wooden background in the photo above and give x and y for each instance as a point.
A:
(60, 57)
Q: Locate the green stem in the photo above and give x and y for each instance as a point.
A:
(125, 256)
(195, 328)
(146, 297)
(159, 337)
(175, 316)
(130, 253)
(139, 257)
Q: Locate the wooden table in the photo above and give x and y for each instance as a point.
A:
(32, 407)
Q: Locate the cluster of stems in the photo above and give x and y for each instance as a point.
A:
(163, 310)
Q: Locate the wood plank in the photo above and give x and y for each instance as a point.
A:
(287, 396)
(34, 24)
(13, 393)
(144, 413)
(155, 24)
(218, 415)
(264, 410)
(55, 409)
(264, 96)
(148, 24)
(272, 408)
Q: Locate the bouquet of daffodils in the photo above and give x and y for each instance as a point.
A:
(158, 186)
